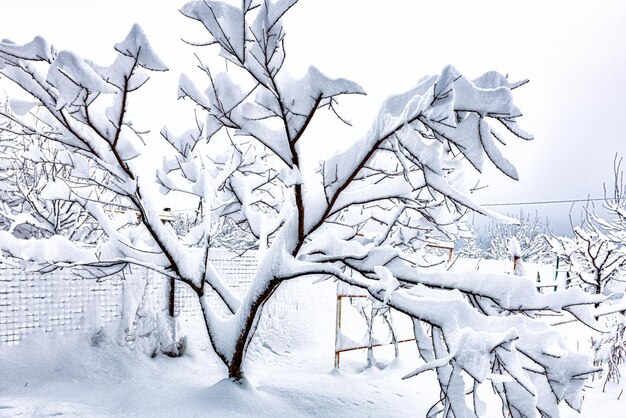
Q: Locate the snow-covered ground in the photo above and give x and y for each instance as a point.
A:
(289, 370)
(290, 373)
(70, 378)
(597, 403)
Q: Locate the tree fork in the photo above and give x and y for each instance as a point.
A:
(235, 369)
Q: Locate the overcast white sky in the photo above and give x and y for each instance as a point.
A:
(574, 53)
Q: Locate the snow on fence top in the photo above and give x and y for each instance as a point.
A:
(63, 302)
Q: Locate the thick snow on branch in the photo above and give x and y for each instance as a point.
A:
(302, 96)
(36, 50)
(70, 75)
(56, 249)
(223, 21)
(137, 46)
(475, 330)
(440, 115)
(373, 208)
(529, 353)
(85, 110)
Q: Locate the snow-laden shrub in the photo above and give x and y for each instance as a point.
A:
(609, 349)
(148, 327)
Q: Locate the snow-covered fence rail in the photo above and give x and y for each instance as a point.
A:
(63, 301)
(343, 343)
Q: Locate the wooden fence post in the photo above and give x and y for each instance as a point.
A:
(338, 332)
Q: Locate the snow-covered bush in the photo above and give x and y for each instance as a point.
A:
(182, 223)
(146, 323)
(404, 183)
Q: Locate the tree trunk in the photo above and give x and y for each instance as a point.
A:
(249, 326)
(233, 357)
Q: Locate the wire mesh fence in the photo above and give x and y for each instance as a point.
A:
(59, 301)
(62, 301)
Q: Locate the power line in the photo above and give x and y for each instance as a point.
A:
(546, 202)
(539, 202)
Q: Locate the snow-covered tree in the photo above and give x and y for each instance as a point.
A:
(182, 223)
(530, 233)
(596, 254)
(593, 260)
(28, 164)
(596, 260)
(234, 237)
(228, 234)
(471, 245)
(404, 181)
(613, 224)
